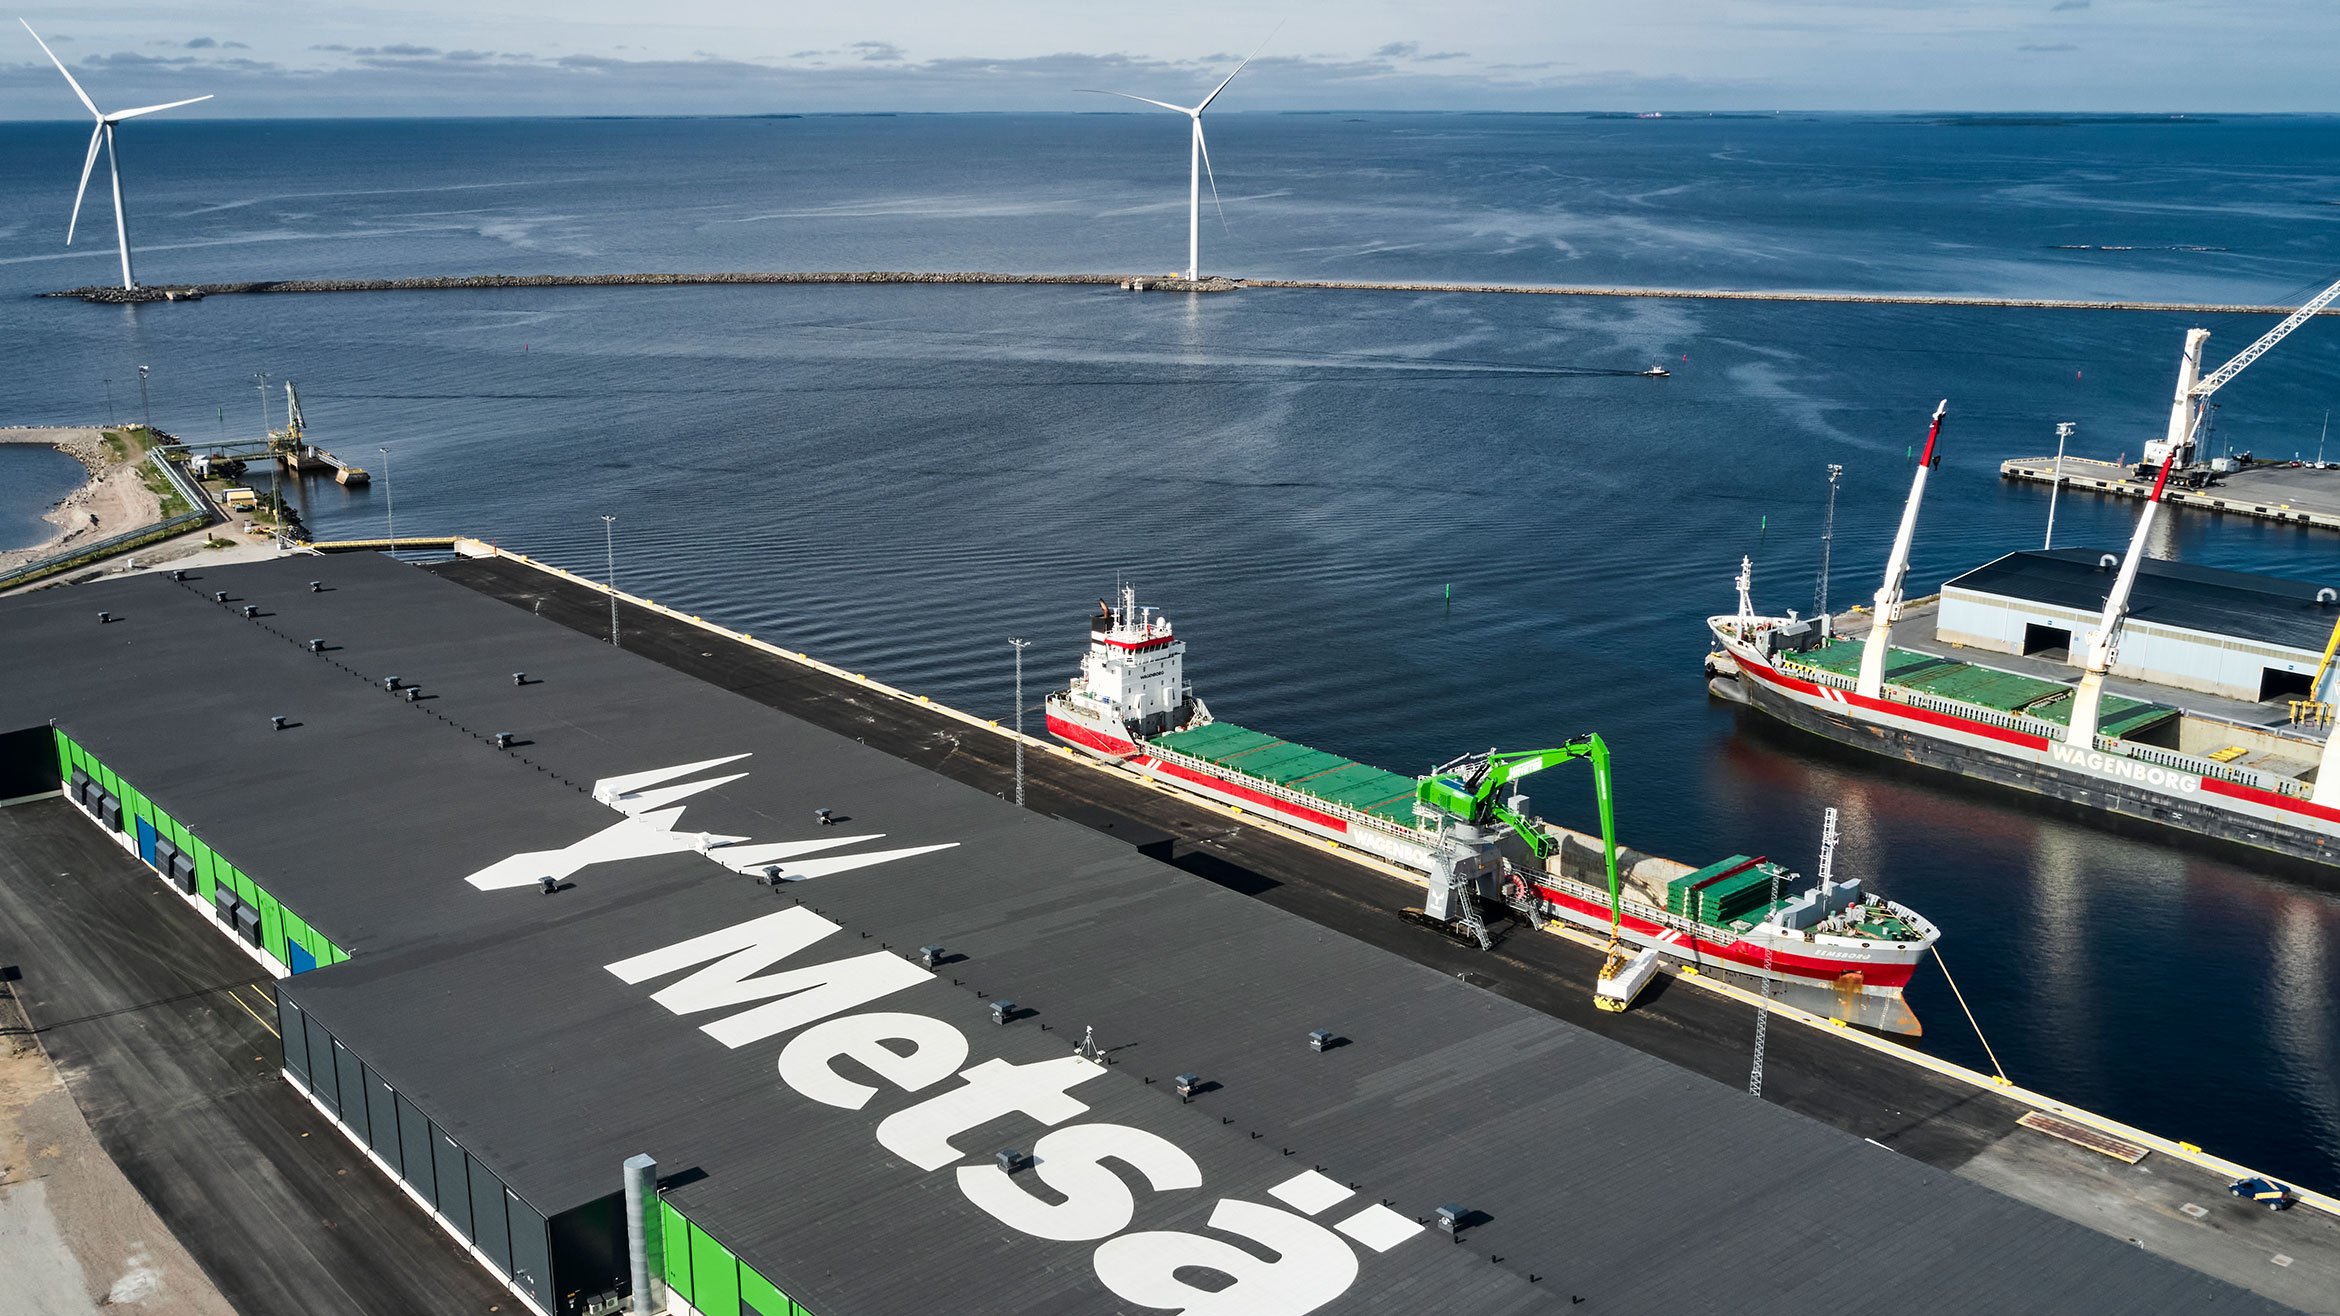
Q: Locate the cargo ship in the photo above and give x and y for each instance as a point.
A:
(1131, 705)
(2191, 724)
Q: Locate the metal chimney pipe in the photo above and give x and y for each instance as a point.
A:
(645, 1249)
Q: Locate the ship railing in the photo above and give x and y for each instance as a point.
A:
(1818, 675)
(1976, 712)
(2202, 767)
(1688, 927)
(1316, 803)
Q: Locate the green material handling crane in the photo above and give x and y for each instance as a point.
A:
(1471, 789)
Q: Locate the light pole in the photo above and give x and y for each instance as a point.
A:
(2064, 430)
(389, 505)
(1020, 646)
(145, 402)
(609, 548)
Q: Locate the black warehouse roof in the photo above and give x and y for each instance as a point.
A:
(2243, 605)
(1595, 1169)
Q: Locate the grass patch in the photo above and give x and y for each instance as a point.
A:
(166, 493)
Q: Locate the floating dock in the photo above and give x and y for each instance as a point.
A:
(2294, 495)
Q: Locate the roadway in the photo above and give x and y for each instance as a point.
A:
(1931, 1117)
(165, 1035)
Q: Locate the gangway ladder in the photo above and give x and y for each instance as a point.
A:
(1463, 899)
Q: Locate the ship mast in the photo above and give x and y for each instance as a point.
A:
(1897, 569)
(2106, 641)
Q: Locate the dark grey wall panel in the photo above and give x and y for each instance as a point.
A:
(322, 1079)
(294, 1026)
(349, 1076)
(531, 1250)
(382, 1114)
(414, 1140)
(488, 1228)
(454, 1199)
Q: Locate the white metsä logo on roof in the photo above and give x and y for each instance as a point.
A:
(652, 808)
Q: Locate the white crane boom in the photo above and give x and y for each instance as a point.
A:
(2194, 389)
(2217, 380)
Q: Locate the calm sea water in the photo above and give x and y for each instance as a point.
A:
(33, 479)
(900, 478)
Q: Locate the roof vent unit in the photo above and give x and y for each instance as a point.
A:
(219, 596)
(503, 740)
(105, 617)
(930, 955)
(316, 587)
(1320, 1039)
(180, 576)
(1450, 1219)
(276, 723)
(1002, 1011)
(316, 646)
(251, 610)
(2107, 562)
(1010, 1160)
(548, 884)
(413, 693)
(390, 683)
(519, 678)
(1186, 1085)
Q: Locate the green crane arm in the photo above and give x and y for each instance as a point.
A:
(1470, 789)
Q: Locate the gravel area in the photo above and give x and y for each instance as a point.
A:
(112, 501)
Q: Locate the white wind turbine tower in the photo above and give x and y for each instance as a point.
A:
(1198, 165)
(103, 131)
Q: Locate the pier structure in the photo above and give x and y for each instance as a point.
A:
(2293, 495)
(1141, 283)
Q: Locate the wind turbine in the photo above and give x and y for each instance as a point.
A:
(1198, 165)
(104, 130)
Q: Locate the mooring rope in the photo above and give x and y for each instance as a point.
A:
(1978, 1032)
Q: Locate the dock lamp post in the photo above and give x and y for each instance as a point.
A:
(145, 402)
(1020, 645)
(112, 417)
(2063, 435)
(389, 506)
(609, 550)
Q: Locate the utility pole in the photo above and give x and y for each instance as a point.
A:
(145, 402)
(2064, 430)
(609, 548)
(1827, 543)
(1020, 645)
(389, 506)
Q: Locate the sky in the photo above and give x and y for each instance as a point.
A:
(276, 58)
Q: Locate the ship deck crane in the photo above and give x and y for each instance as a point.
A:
(2190, 404)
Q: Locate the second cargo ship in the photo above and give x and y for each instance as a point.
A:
(1481, 848)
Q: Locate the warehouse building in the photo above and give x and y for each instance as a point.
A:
(2236, 634)
(541, 907)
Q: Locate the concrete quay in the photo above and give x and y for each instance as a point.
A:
(2294, 495)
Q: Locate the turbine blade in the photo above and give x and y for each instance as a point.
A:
(1127, 97)
(85, 100)
(119, 115)
(95, 136)
(1206, 101)
(1206, 155)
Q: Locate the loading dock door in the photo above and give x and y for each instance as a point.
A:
(146, 840)
(2050, 641)
(302, 961)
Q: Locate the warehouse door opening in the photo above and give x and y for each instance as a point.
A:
(2276, 684)
(2047, 641)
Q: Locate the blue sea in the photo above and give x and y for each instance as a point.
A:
(899, 478)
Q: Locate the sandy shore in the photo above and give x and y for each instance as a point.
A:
(75, 1238)
(111, 501)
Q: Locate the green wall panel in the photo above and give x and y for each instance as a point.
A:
(279, 927)
(760, 1295)
(714, 1276)
(677, 1236)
